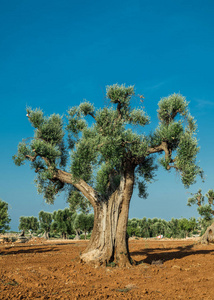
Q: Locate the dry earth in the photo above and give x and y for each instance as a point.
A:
(165, 269)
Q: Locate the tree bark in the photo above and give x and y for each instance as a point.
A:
(208, 236)
(64, 235)
(46, 235)
(77, 236)
(22, 233)
(108, 241)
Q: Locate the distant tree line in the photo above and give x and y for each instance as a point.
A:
(175, 228)
(64, 224)
(61, 223)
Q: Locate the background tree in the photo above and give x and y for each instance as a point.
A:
(159, 227)
(28, 224)
(145, 229)
(77, 202)
(173, 229)
(134, 228)
(24, 224)
(62, 222)
(34, 224)
(186, 226)
(4, 217)
(45, 220)
(84, 223)
(108, 158)
(205, 205)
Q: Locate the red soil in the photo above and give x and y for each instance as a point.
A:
(51, 270)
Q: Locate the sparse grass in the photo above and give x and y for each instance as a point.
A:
(13, 282)
(125, 290)
(111, 264)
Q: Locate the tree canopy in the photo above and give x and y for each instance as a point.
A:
(84, 222)
(62, 222)
(45, 220)
(109, 156)
(98, 151)
(28, 223)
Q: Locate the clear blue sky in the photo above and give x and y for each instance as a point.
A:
(54, 54)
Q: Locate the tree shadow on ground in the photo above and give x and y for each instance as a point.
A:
(153, 255)
(32, 250)
(8, 250)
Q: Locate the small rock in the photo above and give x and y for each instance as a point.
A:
(176, 267)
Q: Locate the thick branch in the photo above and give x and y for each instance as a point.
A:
(159, 148)
(31, 158)
(80, 184)
(168, 153)
(171, 166)
(65, 177)
(162, 147)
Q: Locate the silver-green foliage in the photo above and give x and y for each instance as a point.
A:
(84, 222)
(101, 149)
(28, 223)
(62, 222)
(178, 129)
(154, 227)
(77, 202)
(45, 220)
(45, 151)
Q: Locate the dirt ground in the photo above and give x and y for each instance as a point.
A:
(165, 269)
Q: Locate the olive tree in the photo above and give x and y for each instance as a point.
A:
(109, 156)
(45, 220)
(62, 222)
(206, 210)
(28, 223)
(4, 217)
(84, 222)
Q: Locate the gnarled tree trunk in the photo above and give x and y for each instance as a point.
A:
(208, 236)
(108, 241)
(46, 235)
